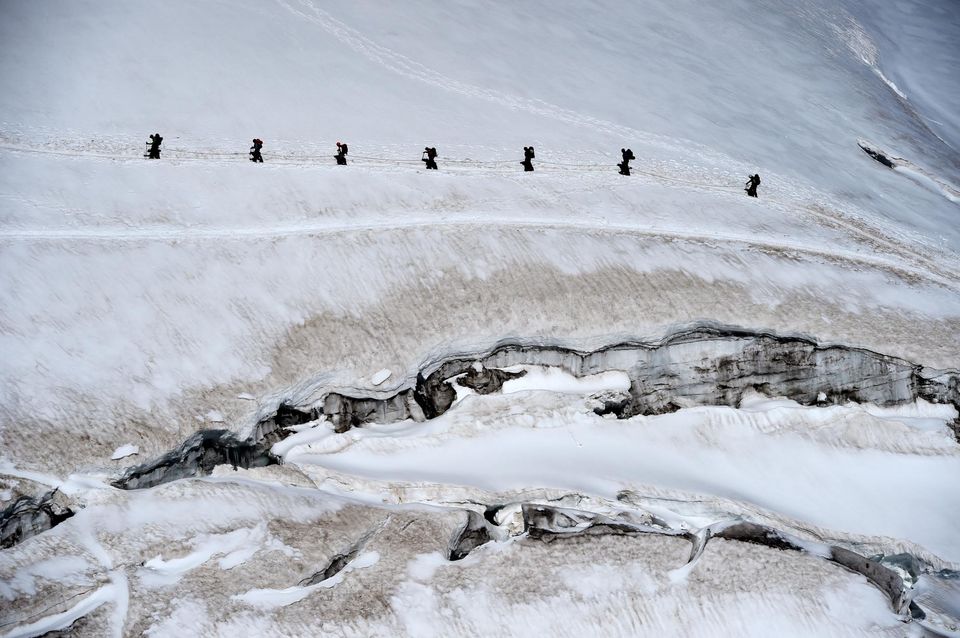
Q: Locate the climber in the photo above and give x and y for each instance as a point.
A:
(751, 185)
(528, 156)
(341, 155)
(255, 155)
(430, 157)
(154, 151)
(627, 155)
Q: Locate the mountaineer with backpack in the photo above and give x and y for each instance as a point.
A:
(528, 156)
(627, 155)
(430, 157)
(341, 155)
(153, 152)
(255, 155)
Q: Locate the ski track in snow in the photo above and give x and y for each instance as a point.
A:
(708, 240)
(785, 248)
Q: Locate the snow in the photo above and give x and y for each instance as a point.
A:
(152, 358)
(183, 621)
(427, 594)
(63, 620)
(300, 438)
(423, 566)
(557, 380)
(124, 451)
(952, 193)
(65, 569)
(81, 247)
(380, 377)
(628, 598)
(231, 303)
(235, 547)
(917, 57)
(144, 300)
(839, 468)
(273, 598)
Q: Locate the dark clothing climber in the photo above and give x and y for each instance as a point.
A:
(430, 157)
(627, 155)
(153, 152)
(255, 155)
(528, 156)
(751, 185)
(341, 155)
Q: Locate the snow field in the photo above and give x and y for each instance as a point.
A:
(141, 301)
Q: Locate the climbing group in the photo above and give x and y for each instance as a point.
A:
(429, 158)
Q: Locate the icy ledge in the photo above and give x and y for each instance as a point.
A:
(706, 365)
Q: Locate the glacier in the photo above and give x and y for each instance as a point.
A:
(296, 398)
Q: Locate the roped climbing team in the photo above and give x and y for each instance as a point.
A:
(429, 158)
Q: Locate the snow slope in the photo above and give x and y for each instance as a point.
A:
(141, 301)
(914, 49)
